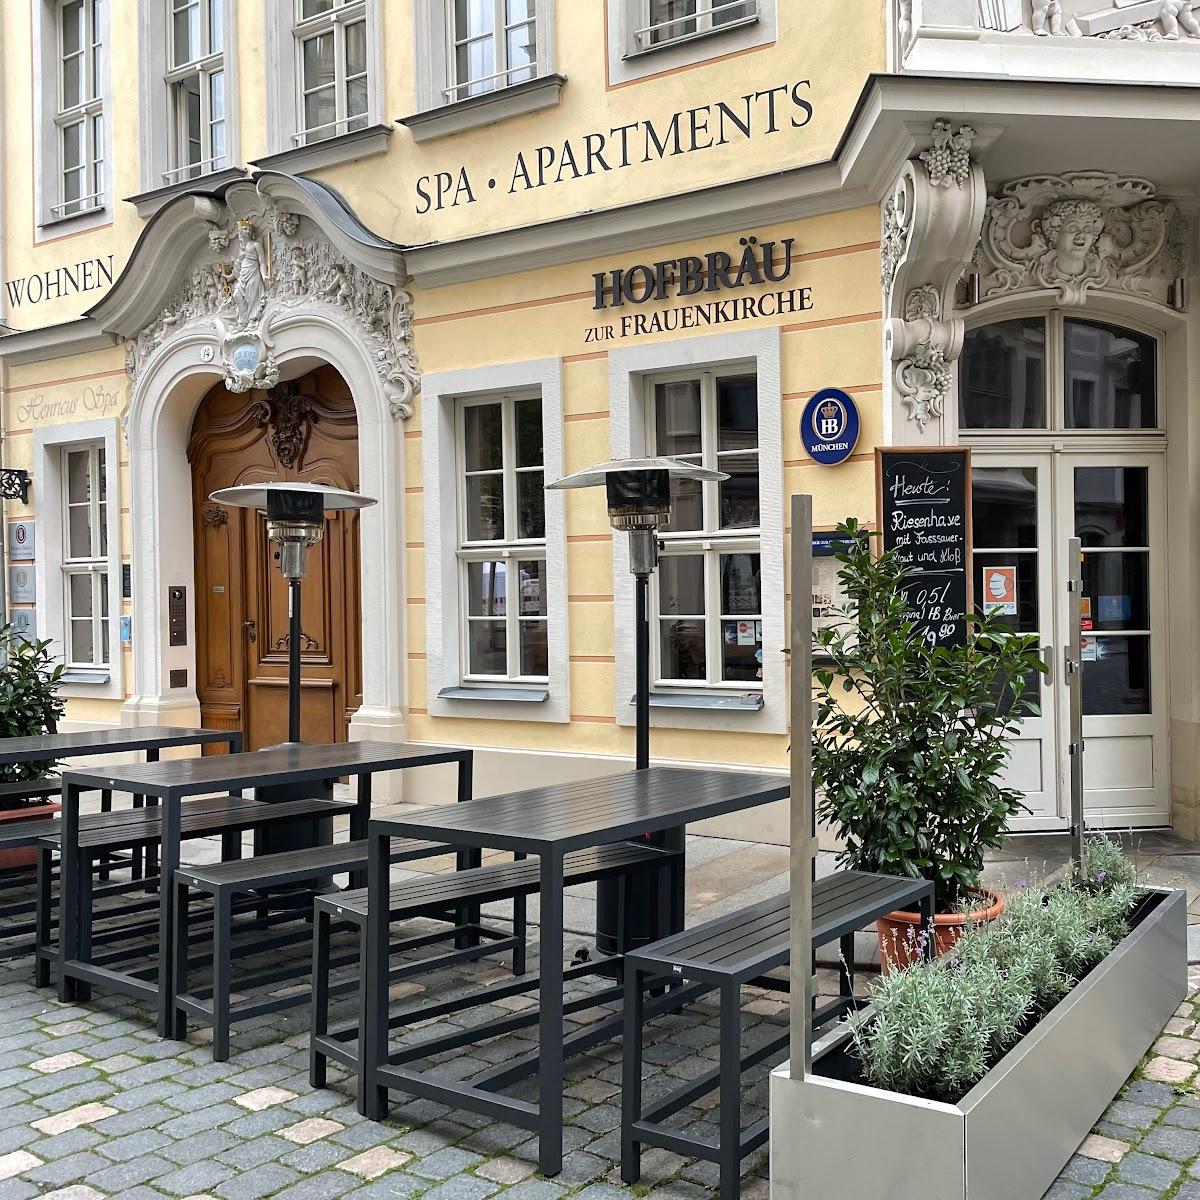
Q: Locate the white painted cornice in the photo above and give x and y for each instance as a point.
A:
(81, 336)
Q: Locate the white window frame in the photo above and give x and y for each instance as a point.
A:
(204, 67)
(449, 694)
(755, 352)
(333, 22)
(87, 112)
(94, 566)
(50, 445)
(460, 89)
(511, 548)
(709, 543)
(644, 37)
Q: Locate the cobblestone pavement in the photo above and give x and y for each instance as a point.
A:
(93, 1104)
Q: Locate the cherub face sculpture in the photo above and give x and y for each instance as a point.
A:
(1071, 229)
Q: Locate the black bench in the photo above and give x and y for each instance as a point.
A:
(434, 897)
(102, 833)
(252, 877)
(725, 954)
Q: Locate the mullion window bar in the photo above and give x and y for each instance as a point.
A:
(331, 64)
(80, 117)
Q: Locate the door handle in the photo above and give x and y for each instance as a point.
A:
(1048, 659)
(251, 630)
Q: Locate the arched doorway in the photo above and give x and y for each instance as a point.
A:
(305, 430)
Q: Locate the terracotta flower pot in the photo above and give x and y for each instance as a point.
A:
(24, 856)
(900, 932)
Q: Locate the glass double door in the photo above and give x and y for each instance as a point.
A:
(1026, 505)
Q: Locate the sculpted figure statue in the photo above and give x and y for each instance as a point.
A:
(1175, 13)
(1047, 18)
(1071, 228)
(249, 288)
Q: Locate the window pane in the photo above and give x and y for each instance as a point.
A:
(529, 432)
(311, 8)
(741, 651)
(519, 10)
(477, 60)
(1002, 376)
(192, 93)
(356, 48)
(687, 506)
(531, 505)
(78, 476)
(1004, 507)
(101, 578)
(473, 17)
(217, 134)
(1116, 587)
(320, 111)
(987, 589)
(682, 653)
(677, 418)
(485, 508)
(72, 90)
(216, 96)
(731, 12)
(1110, 377)
(102, 478)
(1110, 506)
(484, 437)
(739, 493)
(532, 575)
(488, 651)
(535, 656)
(216, 25)
(740, 577)
(186, 33)
(72, 146)
(79, 532)
(82, 642)
(1116, 675)
(522, 53)
(487, 584)
(356, 104)
(80, 594)
(681, 584)
(672, 10)
(737, 413)
(318, 60)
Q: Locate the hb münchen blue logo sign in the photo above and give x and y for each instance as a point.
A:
(829, 427)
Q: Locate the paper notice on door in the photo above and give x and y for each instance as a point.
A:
(745, 633)
(1088, 650)
(1000, 591)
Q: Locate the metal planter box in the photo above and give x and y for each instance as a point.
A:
(1009, 1137)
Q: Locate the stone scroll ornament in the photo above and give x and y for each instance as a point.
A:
(1078, 233)
(259, 265)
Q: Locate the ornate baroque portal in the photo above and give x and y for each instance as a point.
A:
(252, 286)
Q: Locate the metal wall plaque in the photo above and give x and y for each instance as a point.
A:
(126, 581)
(177, 615)
(20, 540)
(24, 622)
(21, 587)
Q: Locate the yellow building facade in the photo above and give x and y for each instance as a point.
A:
(445, 252)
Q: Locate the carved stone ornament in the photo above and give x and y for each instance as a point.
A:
(930, 226)
(1081, 232)
(259, 265)
(1120, 20)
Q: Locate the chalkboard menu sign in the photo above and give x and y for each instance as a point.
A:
(924, 508)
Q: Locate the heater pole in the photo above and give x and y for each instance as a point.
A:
(642, 656)
(294, 660)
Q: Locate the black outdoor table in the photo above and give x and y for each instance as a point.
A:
(172, 782)
(549, 822)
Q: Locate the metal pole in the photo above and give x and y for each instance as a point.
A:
(1074, 674)
(803, 842)
(642, 654)
(294, 660)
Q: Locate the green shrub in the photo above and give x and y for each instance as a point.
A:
(29, 697)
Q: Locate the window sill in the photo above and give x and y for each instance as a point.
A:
(69, 218)
(688, 39)
(737, 702)
(332, 152)
(475, 111)
(148, 203)
(80, 675)
(519, 695)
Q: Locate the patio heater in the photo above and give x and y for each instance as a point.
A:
(639, 504)
(295, 520)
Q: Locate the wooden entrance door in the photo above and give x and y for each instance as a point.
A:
(303, 431)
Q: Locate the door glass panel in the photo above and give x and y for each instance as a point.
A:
(1116, 676)
(1116, 590)
(1004, 507)
(1110, 380)
(1002, 376)
(1110, 506)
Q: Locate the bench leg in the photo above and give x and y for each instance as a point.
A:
(360, 1078)
(83, 991)
(179, 956)
(730, 1152)
(222, 972)
(137, 857)
(231, 845)
(105, 806)
(520, 928)
(319, 1025)
(631, 1076)
(41, 938)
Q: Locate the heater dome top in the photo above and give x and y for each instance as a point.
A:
(258, 495)
(598, 475)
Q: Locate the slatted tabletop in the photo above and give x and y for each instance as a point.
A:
(260, 768)
(105, 741)
(571, 816)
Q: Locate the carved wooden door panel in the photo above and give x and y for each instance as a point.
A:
(304, 431)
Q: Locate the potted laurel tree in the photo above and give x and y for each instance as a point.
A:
(30, 704)
(910, 741)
